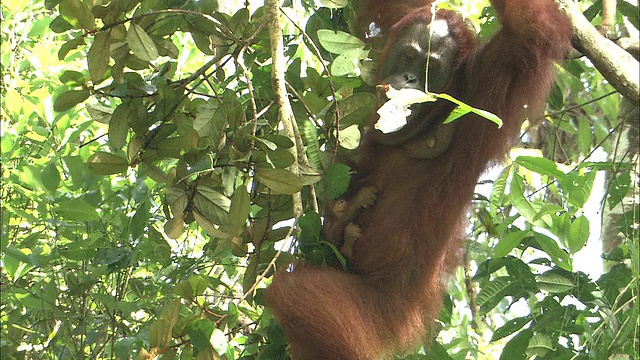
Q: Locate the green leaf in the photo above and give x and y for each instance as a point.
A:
(516, 347)
(334, 4)
(76, 210)
(620, 186)
(584, 138)
(76, 9)
(208, 227)
(212, 205)
(71, 77)
(310, 134)
(99, 113)
(103, 163)
(524, 207)
(336, 180)
(200, 333)
(310, 225)
(343, 65)
(250, 275)
(509, 242)
(579, 233)
(350, 137)
(498, 190)
(280, 181)
(554, 283)
(578, 185)
(170, 313)
(240, 207)
(141, 44)
(98, 56)
(340, 42)
(463, 109)
(184, 289)
(68, 46)
(492, 293)
(60, 25)
(119, 127)
(50, 177)
(355, 110)
(550, 246)
(539, 345)
(280, 158)
(69, 99)
(199, 284)
(174, 227)
(541, 166)
(510, 326)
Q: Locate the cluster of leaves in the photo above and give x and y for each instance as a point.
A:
(147, 193)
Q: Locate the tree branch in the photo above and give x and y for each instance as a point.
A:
(285, 112)
(616, 65)
(608, 17)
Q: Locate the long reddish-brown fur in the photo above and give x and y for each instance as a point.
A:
(384, 13)
(393, 290)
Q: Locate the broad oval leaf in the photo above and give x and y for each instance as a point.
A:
(119, 127)
(336, 180)
(240, 207)
(280, 181)
(554, 283)
(339, 42)
(174, 227)
(76, 210)
(103, 163)
(539, 345)
(541, 166)
(356, 109)
(211, 204)
(98, 56)
(69, 99)
(579, 234)
(343, 65)
(349, 138)
(509, 242)
(141, 43)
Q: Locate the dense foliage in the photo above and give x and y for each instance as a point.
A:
(147, 188)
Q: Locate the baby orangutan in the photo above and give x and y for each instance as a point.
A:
(339, 227)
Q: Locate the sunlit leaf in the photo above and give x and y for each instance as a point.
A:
(336, 180)
(280, 181)
(350, 137)
(509, 242)
(174, 227)
(334, 4)
(76, 210)
(541, 166)
(339, 42)
(98, 56)
(50, 177)
(103, 163)
(579, 233)
(141, 43)
(69, 99)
